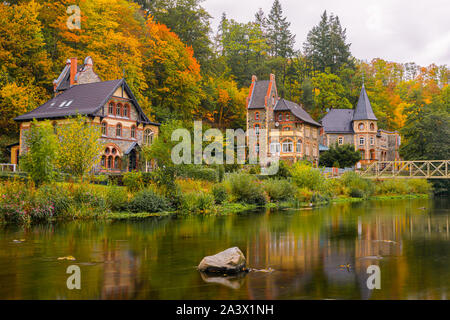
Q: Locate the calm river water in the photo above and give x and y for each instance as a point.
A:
(307, 249)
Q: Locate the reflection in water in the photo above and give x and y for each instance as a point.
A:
(316, 254)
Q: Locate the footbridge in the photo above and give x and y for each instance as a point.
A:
(417, 169)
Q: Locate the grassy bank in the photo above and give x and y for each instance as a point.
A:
(193, 192)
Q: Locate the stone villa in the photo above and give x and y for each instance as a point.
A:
(109, 104)
(290, 130)
(359, 127)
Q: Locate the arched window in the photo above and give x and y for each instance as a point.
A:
(119, 110)
(148, 136)
(286, 128)
(257, 128)
(299, 146)
(110, 161)
(275, 147)
(257, 115)
(116, 163)
(287, 146)
(103, 161)
(280, 117)
(119, 130)
(126, 110)
(104, 128)
(111, 108)
(372, 126)
(133, 132)
(361, 126)
(372, 141)
(288, 117)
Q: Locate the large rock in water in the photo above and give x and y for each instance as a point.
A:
(229, 261)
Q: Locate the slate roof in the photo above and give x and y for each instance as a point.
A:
(363, 109)
(338, 121)
(257, 99)
(85, 99)
(299, 112)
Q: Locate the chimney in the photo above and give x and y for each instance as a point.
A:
(73, 70)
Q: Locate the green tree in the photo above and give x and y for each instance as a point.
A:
(40, 159)
(328, 93)
(79, 146)
(281, 39)
(326, 45)
(343, 156)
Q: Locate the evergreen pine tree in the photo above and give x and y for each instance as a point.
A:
(281, 39)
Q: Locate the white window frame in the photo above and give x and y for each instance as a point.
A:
(299, 143)
(340, 140)
(275, 147)
(288, 146)
(363, 140)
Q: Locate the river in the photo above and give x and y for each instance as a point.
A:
(320, 253)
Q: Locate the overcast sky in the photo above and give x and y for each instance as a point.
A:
(395, 30)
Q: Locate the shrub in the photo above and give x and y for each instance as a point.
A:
(304, 195)
(220, 172)
(357, 186)
(91, 197)
(246, 188)
(220, 193)
(117, 198)
(255, 169)
(58, 196)
(133, 181)
(304, 176)
(333, 187)
(188, 185)
(420, 186)
(392, 186)
(279, 189)
(199, 173)
(283, 170)
(193, 202)
(148, 201)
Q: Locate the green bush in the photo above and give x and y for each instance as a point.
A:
(305, 176)
(392, 186)
(87, 196)
(193, 202)
(133, 181)
(199, 173)
(420, 186)
(58, 196)
(117, 198)
(279, 189)
(357, 186)
(148, 201)
(220, 193)
(246, 188)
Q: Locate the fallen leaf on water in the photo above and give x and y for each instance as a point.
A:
(67, 258)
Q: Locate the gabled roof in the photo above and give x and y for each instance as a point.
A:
(86, 99)
(299, 112)
(258, 95)
(338, 121)
(363, 109)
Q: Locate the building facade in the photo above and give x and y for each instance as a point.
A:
(108, 104)
(359, 127)
(289, 129)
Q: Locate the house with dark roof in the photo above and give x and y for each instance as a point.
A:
(110, 105)
(290, 131)
(359, 127)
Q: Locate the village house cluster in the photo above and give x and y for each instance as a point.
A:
(291, 133)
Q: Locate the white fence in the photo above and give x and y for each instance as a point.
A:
(8, 167)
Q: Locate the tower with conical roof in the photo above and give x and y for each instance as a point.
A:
(365, 128)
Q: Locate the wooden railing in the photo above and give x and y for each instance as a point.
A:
(418, 169)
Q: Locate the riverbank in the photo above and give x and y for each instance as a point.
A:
(200, 193)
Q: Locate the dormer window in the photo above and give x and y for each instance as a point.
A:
(280, 117)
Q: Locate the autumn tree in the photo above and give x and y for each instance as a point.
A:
(79, 146)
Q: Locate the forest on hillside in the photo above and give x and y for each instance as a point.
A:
(179, 68)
